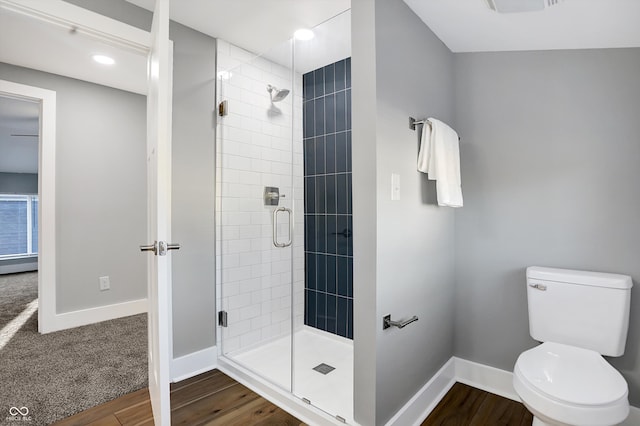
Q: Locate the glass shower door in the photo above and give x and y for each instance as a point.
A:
(256, 202)
(283, 216)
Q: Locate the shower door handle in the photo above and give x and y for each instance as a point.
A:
(275, 227)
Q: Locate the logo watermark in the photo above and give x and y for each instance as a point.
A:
(18, 414)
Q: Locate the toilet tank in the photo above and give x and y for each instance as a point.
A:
(578, 308)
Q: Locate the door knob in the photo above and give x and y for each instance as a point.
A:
(160, 248)
(151, 247)
(163, 247)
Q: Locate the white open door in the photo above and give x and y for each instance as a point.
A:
(159, 213)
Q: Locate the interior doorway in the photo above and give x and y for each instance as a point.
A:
(19, 133)
(27, 178)
(19, 153)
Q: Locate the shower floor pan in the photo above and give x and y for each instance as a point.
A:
(331, 392)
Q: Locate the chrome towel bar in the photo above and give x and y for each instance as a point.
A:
(413, 123)
(387, 322)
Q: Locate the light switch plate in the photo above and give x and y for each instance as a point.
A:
(395, 186)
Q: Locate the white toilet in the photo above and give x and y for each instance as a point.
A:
(578, 316)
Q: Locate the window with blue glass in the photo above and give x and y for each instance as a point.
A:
(328, 215)
(18, 225)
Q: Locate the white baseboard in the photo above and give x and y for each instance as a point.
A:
(193, 364)
(425, 400)
(484, 377)
(18, 267)
(93, 315)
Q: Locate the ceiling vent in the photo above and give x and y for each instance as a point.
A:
(520, 6)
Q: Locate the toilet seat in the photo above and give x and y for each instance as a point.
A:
(571, 374)
(570, 385)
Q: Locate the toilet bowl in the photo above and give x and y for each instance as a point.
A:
(579, 316)
(566, 385)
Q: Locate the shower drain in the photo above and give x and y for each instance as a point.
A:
(324, 368)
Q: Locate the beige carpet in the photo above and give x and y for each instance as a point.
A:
(59, 374)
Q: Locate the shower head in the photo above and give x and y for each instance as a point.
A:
(277, 94)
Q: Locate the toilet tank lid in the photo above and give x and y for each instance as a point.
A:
(596, 279)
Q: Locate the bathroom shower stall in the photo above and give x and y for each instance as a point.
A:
(283, 220)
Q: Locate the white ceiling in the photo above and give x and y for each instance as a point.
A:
(260, 25)
(463, 25)
(255, 25)
(37, 44)
(18, 154)
(331, 43)
(470, 26)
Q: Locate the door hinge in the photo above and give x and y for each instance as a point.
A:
(222, 319)
(223, 108)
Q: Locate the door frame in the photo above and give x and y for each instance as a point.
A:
(46, 193)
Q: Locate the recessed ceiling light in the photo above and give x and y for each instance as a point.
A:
(303, 34)
(104, 60)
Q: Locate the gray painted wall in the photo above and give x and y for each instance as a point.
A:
(364, 195)
(410, 241)
(100, 189)
(193, 190)
(193, 176)
(550, 153)
(18, 183)
(119, 10)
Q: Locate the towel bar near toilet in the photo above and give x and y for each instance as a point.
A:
(387, 322)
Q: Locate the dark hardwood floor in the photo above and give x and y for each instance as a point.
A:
(467, 406)
(211, 398)
(215, 399)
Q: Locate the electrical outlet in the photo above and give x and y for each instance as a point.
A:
(104, 283)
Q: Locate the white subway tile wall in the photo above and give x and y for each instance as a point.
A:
(259, 144)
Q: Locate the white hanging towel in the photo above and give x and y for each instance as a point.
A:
(439, 157)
